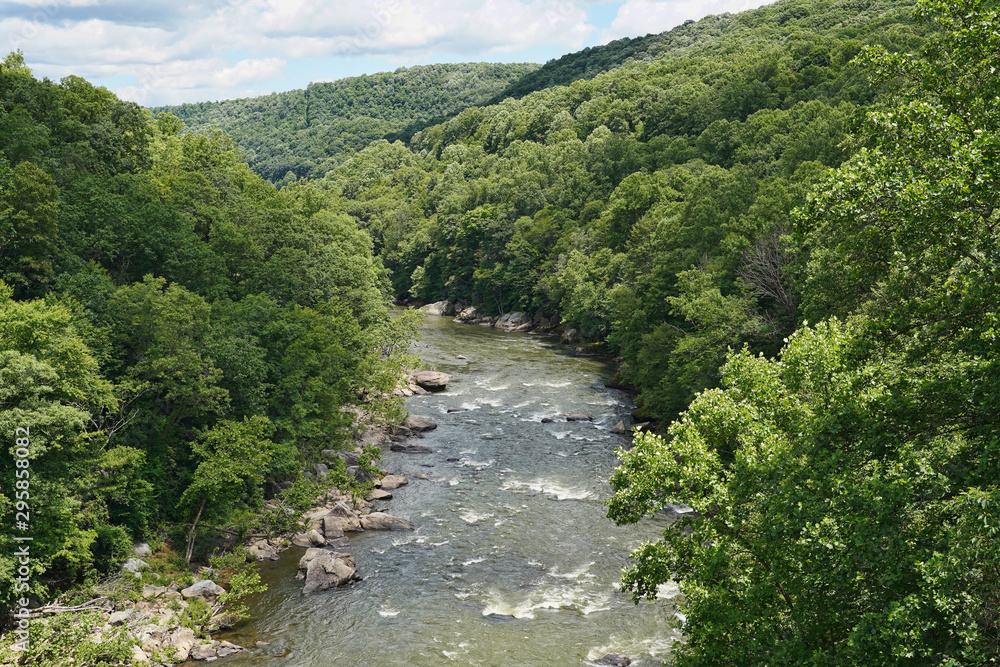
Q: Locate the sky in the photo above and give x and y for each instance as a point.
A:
(158, 52)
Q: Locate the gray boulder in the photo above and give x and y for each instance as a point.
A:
(310, 538)
(615, 660)
(149, 591)
(121, 617)
(142, 550)
(515, 321)
(390, 482)
(206, 589)
(467, 315)
(383, 521)
(379, 494)
(407, 448)
(182, 641)
(431, 380)
(333, 527)
(620, 428)
(439, 308)
(135, 566)
(420, 424)
(323, 570)
(227, 649)
(204, 652)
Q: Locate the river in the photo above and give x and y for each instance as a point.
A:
(514, 561)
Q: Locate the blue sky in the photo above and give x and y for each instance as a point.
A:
(159, 52)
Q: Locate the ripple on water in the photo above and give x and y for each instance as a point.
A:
(472, 516)
(583, 600)
(549, 488)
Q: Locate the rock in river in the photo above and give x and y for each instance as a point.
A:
(383, 521)
(516, 321)
(420, 424)
(439, 308)
(579, 418)
(410, 449)
(390, 482)
(324, 570)
(431, 380)
(615, 660)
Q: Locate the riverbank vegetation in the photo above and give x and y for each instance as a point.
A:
(172, 330)
(846, 488)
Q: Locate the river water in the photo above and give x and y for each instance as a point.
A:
(514, 561)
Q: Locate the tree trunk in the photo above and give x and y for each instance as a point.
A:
(194, 527)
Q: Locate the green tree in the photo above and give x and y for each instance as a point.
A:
(234, 458)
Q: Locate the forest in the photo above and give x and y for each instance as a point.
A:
(782, 224)
(172, 328)
(306, 133)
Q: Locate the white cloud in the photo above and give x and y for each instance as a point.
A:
(640, 17)
(183, 50)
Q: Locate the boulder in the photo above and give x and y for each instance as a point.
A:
(142, 550)
(571, 337)
(135, 566)
(121, 617)
(420, 424)
(139, 656)
(182, 641)
(227, 649)
(515, 321)
(390, 482)
(439, 308)
(203, 652)
(310, 538)
(321, 470)
(379, 494)
(431, 380)
(620, 428)
(407, 448)
(579, 418)
(323, 570)
(547, 420)
(149, 591)
(206, 589)
(467, 315)
(333, 527)
(262, 550)
(383, 521)
(615, 660)
(499, 617)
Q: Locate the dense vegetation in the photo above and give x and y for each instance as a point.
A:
(647, 207)
(846, 488)
(783, 222)
(172, 328)
(306, 133)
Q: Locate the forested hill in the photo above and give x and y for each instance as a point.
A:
(634, 205)
(307, 132)
(710, 36)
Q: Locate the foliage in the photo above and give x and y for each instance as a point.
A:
(66, 639)
(173, 329)
(846, 490)
(306, 133)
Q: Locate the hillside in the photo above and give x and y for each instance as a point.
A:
(308, 132)
(709, 37)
